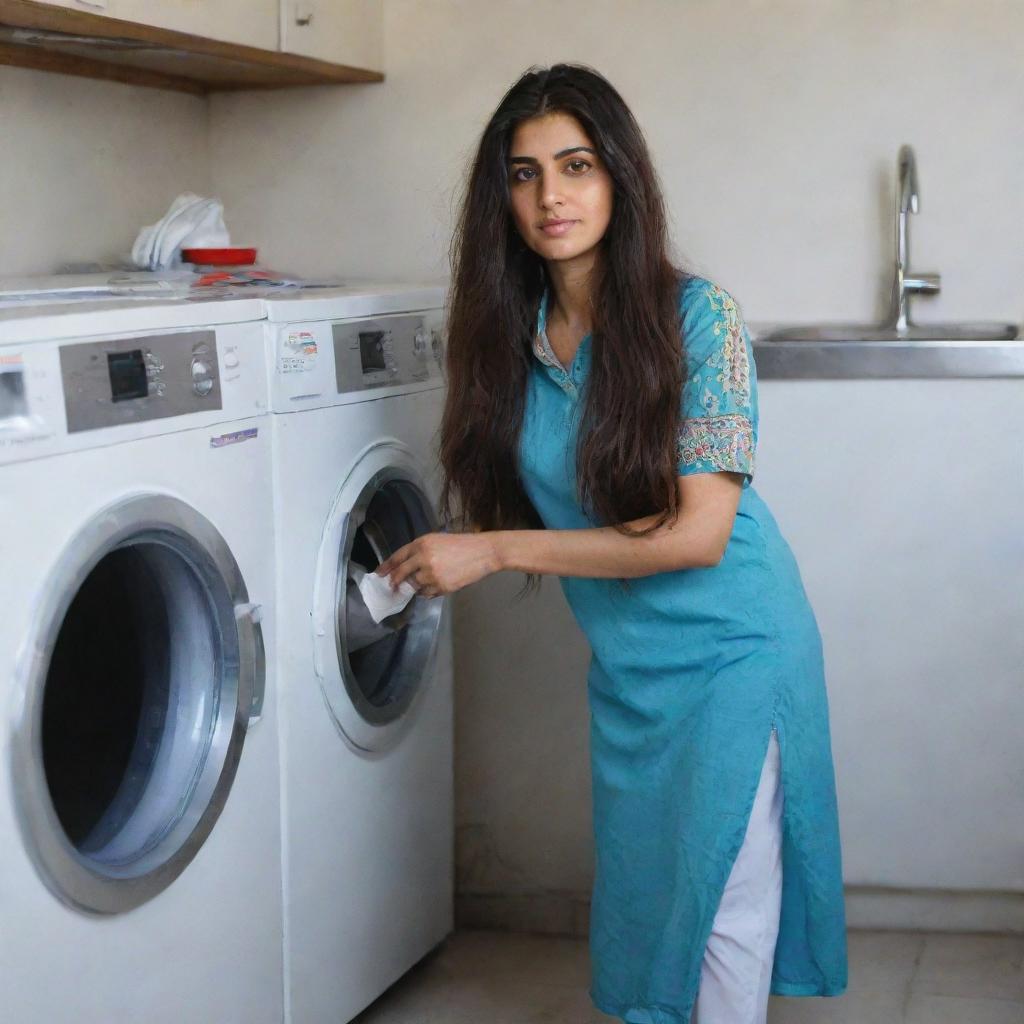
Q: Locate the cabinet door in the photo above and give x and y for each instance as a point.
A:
(89, 6)
(347, 32)
(903, 501)
(249, 22)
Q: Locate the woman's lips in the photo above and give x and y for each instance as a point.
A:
(558, 228)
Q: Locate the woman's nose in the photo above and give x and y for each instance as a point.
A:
(550, 198)
(550, 195)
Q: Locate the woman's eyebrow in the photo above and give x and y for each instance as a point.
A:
(558, 155)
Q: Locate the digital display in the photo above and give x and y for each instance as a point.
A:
(127, 375)
(12, 394)
(371, 350)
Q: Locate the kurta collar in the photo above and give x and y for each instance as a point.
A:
(542, 346)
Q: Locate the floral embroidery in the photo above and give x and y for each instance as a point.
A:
(542, 350)
(729, 359)
(724, 442)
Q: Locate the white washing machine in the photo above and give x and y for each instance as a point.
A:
(139, 807)
(366, 718)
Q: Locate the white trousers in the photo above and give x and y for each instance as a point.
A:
(737, 968)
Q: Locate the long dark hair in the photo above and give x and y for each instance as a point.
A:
(625, 457)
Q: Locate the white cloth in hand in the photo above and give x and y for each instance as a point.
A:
(380, 600)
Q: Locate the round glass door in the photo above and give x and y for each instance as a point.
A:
(378, 669)
(137, 697)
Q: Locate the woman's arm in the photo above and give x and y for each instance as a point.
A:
(442, 563)
(697, 539)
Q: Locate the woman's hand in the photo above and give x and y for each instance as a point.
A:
(441, 563)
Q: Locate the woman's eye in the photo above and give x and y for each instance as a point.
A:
(576, 166)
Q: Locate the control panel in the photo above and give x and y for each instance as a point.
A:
(328, 362)
(69, 394)
(131, 380)
(390, 350)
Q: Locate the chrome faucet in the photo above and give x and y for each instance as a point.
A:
(906, 284)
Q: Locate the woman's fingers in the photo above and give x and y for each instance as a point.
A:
(396, 561)
(416, 562)
(405, 569)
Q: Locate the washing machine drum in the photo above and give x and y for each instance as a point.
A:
(148, 667)
(384, 674)
(378, 670)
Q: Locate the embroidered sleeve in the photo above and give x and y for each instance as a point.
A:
(718, 423)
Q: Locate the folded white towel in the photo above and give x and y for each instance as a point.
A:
(380, 600)
(191, 221)
(143, 249)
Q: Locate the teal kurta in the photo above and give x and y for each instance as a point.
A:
(689, 671)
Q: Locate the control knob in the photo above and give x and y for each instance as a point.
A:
(202, 377)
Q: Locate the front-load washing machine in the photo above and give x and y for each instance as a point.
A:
(366, 719)
(139, 807)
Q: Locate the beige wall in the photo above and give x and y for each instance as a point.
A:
(774, 125)
(84, 164)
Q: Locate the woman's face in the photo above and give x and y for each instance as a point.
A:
(555, 174)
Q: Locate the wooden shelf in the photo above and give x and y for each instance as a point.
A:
(71, 42)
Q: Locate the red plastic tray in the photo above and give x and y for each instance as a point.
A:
(220, 257)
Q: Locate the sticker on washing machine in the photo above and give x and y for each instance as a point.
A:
(298, 353)
(13, 400)
(234, 437)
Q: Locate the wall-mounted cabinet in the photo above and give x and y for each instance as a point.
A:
(248, 22)
(346, 31)
(198, 46)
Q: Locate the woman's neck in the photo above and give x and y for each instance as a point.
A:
(569, 299)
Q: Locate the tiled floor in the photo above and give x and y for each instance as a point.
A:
(488, 977)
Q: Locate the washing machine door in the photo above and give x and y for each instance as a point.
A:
(372, 676)
(134, 694)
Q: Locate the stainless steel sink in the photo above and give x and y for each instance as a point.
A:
(898, 329)
(835, 332)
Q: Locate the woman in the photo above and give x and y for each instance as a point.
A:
(600, 425)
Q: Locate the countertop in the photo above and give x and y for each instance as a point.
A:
(838, 360)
